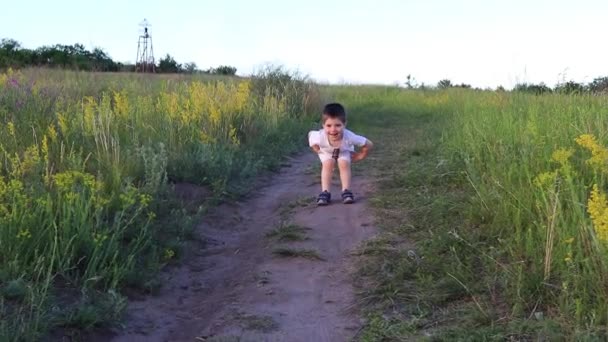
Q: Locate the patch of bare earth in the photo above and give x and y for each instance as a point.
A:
(246, 286)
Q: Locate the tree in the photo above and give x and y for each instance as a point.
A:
(410, 82)
(168, 65)
(11, 54)
(570, 87)
(9, 45)
(599, 84)
(223, 70)
(536, 89)
(190, 68)
(102, 62)
(443, 84)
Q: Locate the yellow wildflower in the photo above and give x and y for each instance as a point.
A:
(65, 181)
(121, 104)
(599, 154)
(24, 234)
(45, 149)
(31, 159)
(214, 114)
(52, 132)
(145, 199)
(11, 128)
(206, 138)
(562, 155)
(98, 239)
(89, 107)
(168, 254)
(597, 207)
(100, 202)
(128, 198)
(70, 196)
(242, 95)
(63, 124)
(587, 141)
(545, 179)
(234, 136)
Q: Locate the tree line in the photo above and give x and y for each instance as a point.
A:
(598, 85)
(77, 57)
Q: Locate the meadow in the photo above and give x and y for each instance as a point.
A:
(492, 205)
(89, 161)
(493, 212)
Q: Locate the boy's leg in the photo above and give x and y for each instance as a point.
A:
(345, 173)
(326, 173)
(345, 178)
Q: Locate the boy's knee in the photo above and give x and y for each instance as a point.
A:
(328, 163)
(343, 163)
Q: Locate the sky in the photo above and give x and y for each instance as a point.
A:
(483, 43)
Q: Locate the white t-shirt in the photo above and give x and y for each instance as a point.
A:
(349, 141)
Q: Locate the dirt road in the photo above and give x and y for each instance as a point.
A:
(247, 286)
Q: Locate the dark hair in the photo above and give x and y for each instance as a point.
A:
(335, 111)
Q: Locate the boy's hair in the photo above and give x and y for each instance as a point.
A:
(334, 111)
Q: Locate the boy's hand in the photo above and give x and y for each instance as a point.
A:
(357, 156)
(316, 149)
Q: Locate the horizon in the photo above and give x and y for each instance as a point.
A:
(361, 42)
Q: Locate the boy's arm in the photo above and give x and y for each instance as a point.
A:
(313, 141)
(362, 154)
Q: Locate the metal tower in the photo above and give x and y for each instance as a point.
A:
(145, 53)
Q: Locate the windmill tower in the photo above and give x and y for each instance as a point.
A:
(145, 53)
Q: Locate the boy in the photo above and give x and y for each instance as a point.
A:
(334, 144)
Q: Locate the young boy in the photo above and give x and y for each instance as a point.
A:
(335, 144)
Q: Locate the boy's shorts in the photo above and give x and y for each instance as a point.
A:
(344, 155)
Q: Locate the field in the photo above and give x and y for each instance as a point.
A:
(88, 166)
(492, 205)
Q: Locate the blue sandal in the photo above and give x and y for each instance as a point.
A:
(347, 197)
(324, 198)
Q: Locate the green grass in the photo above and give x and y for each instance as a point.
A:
(87, 164)
(287, 252)
(489, 228)
(261, 323)
(288, 232)
(474, 245)
(287, 209)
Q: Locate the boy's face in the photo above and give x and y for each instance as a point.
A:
(333, 127)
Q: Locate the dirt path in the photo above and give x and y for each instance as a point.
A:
(238, 289)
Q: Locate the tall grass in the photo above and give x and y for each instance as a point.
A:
(533, 166)
(506, 206)
(86, 160)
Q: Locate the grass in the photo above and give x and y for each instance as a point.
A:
(297, 253)
(259, 323)
(288, 232)
(492, 205)
(87, 166)
(490, 230)
(287, 209)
